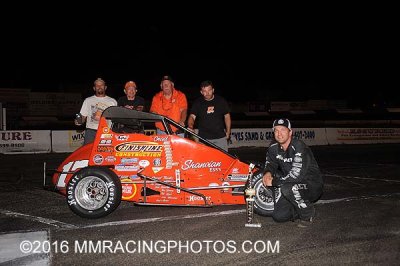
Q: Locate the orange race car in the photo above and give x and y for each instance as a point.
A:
(128, 161)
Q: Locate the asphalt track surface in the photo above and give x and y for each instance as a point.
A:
(357, 223)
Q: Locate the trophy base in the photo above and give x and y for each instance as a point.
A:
(252, 225)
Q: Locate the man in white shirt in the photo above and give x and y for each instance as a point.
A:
(92, 108)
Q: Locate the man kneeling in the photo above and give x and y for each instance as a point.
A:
(294, 174)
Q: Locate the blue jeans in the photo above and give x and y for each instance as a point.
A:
(160, 132)
(90, 135)
(222, 143)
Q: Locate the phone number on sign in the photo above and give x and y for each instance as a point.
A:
(304, 134)
(141, 246)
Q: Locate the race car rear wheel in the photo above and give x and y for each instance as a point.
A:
(264, 198)
(94, 192)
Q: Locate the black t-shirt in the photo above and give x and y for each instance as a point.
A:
(210, 116)
(138, 101)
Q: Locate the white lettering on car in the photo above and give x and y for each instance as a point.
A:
(189, 164)
(70, 167)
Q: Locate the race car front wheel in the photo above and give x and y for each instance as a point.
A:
(94, 192)
(263, 199)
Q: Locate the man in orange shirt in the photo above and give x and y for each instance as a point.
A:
(169, 102)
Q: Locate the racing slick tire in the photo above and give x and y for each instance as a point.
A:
(264, 196)
(94, 192)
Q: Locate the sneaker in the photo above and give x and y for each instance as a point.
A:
(305, 223)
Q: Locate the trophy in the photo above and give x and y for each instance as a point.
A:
(250, 194)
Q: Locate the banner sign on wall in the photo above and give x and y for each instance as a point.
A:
(250, 137)
(242, 137)
(362, 135)
(311, 136)
(25, 141)
(67, 140)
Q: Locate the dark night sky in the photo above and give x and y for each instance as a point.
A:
(259, 53)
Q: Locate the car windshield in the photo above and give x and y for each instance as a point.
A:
(124, 120)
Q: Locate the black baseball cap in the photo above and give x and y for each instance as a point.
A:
(282, 122)
(167, 77)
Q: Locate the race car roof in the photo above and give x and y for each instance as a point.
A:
(122, 112)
